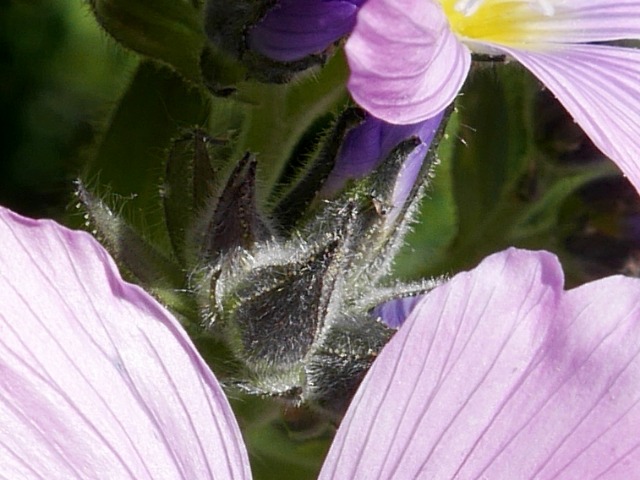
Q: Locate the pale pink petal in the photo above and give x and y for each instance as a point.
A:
(97, 380)
(406, 65)
(587, 21)
(500, 374)
(600, 87)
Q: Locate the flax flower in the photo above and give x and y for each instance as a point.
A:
(409, 59)
(498, 373)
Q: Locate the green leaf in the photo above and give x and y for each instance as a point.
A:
(130, 158)
(492, 156)
(541, 217)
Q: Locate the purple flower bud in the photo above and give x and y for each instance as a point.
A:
(294, 29)
(367, 145)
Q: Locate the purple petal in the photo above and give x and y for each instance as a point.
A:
(500, 374)
(412, 167)
(394, 312)
(368, 144)
(98, 380)
(406, 180)
(294, 29)
(406, 65)
(599, 86)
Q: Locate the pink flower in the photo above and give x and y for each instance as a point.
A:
(409, 59)
(498, 373)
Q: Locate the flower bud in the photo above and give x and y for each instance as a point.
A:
(277, 39)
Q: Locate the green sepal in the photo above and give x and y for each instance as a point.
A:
(339, 362)
(375, 235)
(436, 221)
(166, 30)
(226, 23)
(378, 296)
(207, 215)
(299, 192)
(188, 185)
(230, 218)
(149, 267)
(275, 301)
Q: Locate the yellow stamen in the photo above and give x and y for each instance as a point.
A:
(505, 22)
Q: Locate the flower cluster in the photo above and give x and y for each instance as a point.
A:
(498, 372)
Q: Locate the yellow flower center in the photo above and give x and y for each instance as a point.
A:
(505, 22)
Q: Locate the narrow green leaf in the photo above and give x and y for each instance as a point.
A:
(131, 155)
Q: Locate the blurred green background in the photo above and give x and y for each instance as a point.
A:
(59, 76)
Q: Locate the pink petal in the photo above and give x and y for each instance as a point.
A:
(589, 21)
(600, 87)
(98, 380)
(500, 374)
(406, 65)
